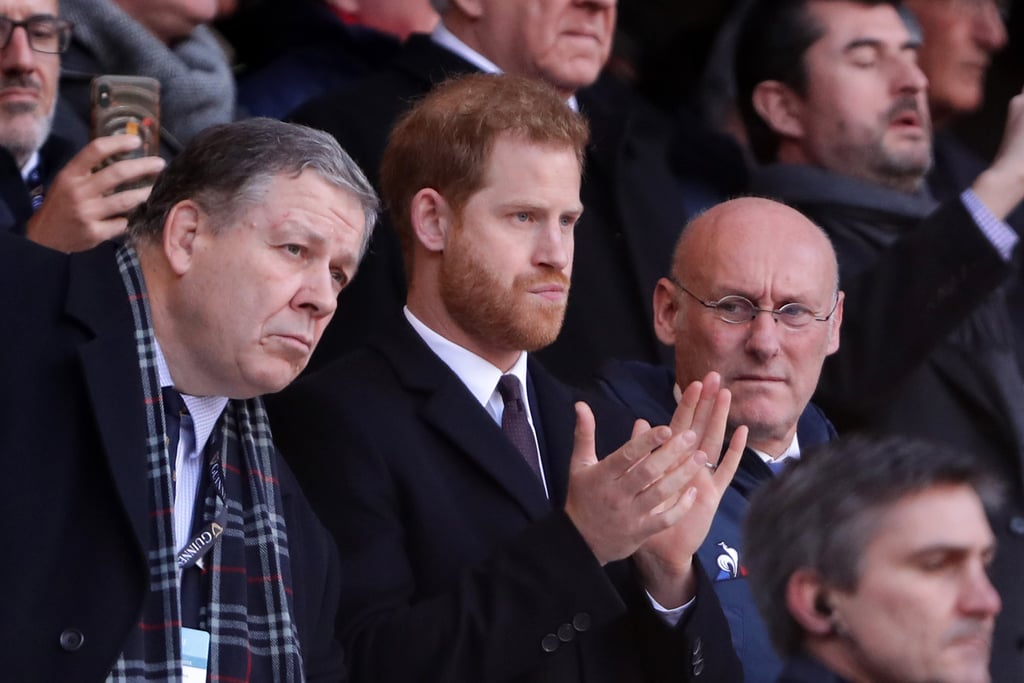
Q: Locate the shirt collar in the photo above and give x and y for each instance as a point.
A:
(30, 165)
(793, 451)
(204, 410)
(448, 40)
(479, 375)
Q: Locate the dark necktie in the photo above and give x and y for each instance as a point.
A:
(515, 424)
(35, 188)
(174, 408)
(776, 466)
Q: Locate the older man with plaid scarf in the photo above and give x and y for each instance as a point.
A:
(146, 543)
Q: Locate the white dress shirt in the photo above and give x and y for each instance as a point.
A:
(479, 376)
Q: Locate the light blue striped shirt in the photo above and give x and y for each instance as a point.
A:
(196, 427)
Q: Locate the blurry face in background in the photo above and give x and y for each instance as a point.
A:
(28, 84)
(865, 112)
(564, 42)
(960, 37)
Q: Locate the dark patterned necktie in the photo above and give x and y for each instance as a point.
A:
(174, 408)
(35, 188)
(515, 424)
(191, 591)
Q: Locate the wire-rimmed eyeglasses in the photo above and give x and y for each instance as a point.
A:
(46, 33)
(736, 310)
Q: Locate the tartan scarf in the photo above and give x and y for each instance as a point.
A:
(247, 576)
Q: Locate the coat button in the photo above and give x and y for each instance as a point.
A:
(549, 643)
(697, 662)
(566, 633)
(71, 639)
(698, 667)
(581, 622)
(1017, 525)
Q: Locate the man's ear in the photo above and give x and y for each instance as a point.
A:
(666, 306)
(182, 225)
(432, 218)
(780, 107)
(807, 598)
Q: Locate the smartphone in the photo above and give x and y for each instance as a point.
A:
(127, 105)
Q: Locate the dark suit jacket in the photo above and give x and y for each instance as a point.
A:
(457, 567)
(634, 211)
(954, 169)
(74, 496)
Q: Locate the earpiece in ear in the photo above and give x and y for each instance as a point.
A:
(821, 605)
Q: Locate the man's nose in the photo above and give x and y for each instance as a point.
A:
(989, 30)
(909, 77)
(18, 54)
(764, 334)
(554, 246)
(318, 293)
(978, 597)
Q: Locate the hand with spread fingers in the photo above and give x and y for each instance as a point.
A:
(83, 207)
(620, 501)
(655, 494)
(665, 559)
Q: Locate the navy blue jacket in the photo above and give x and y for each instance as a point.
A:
(647, 391)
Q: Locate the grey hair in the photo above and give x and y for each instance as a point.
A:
(228, 168)
(440, 6)
(823, 511)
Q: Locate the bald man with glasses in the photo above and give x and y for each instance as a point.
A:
(752, 295)
(48, 190)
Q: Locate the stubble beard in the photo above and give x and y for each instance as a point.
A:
(877, 161)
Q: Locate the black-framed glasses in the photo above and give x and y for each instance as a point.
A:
(46, 33)
(736, 310)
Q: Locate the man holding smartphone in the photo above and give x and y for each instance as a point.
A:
(48, 190)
